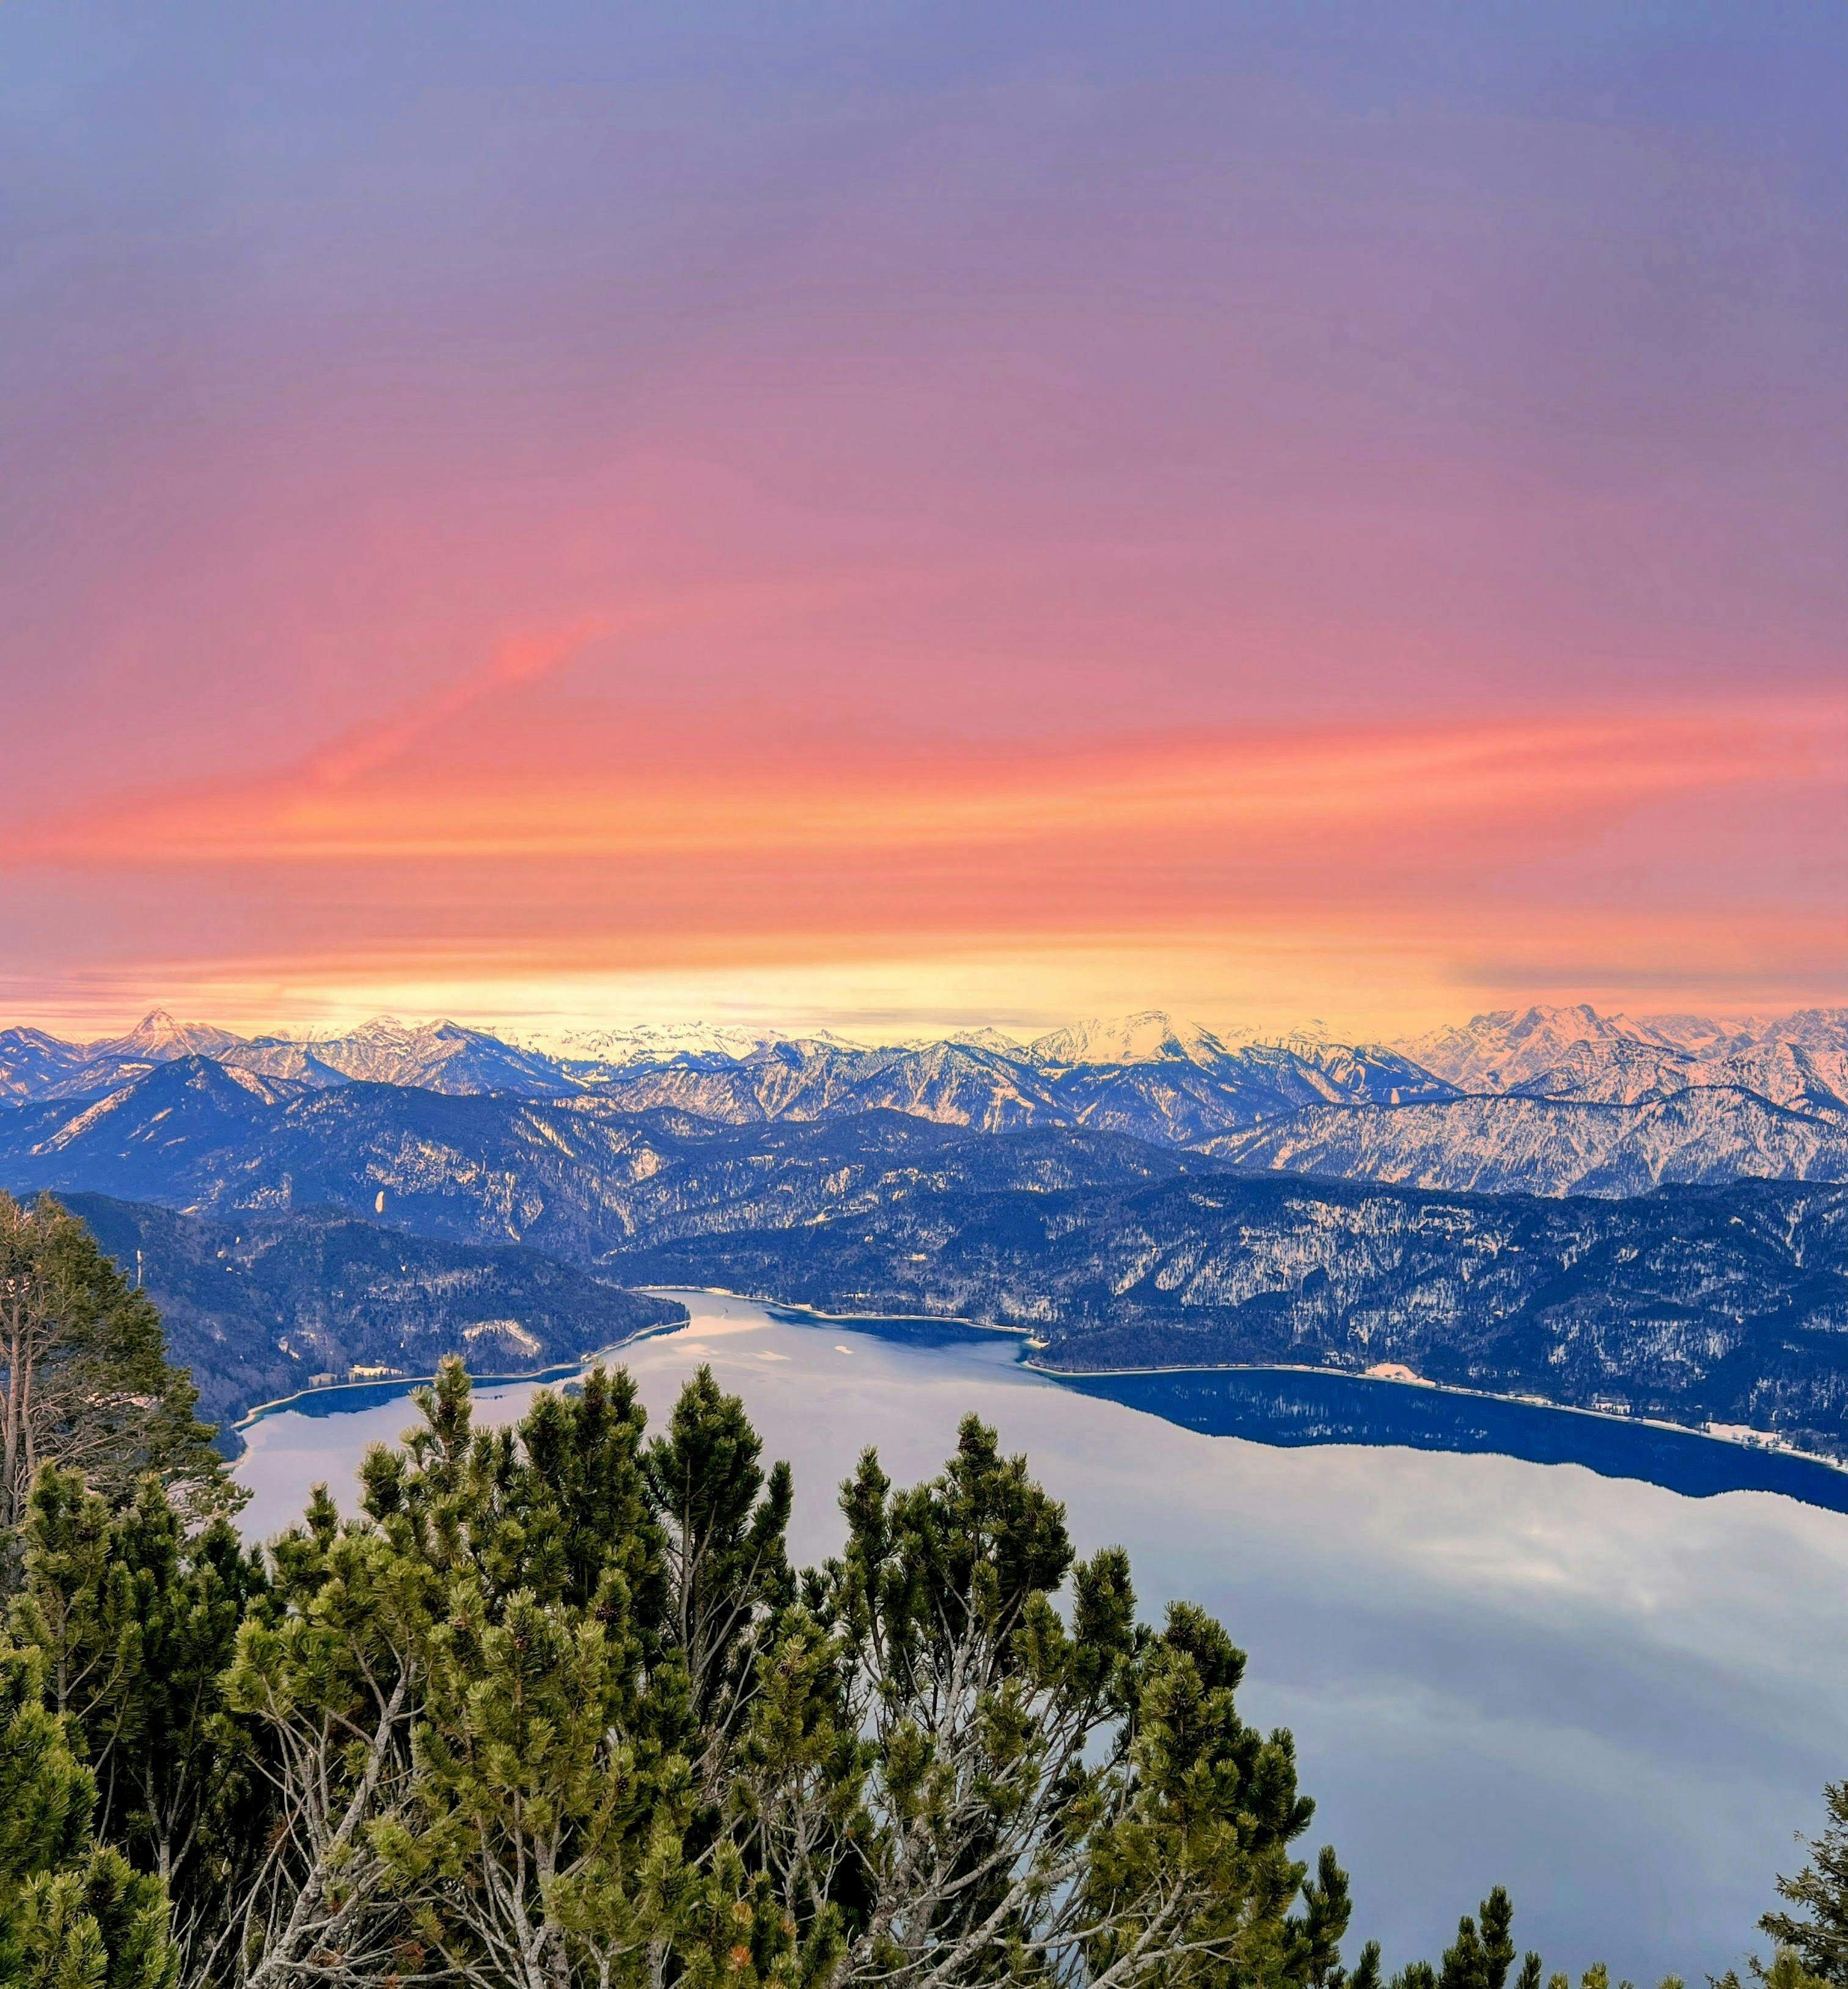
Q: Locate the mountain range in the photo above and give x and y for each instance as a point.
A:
(1727, 1304)
(441, 1056)
(578, 1178)
(1546, 1100)
(1583, 1208)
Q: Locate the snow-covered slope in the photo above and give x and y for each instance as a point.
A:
(957, 1083)
(437, 1056)
(35, 1065)
(998, 1041)
(1620, 1071)
(1634, 1073)
(277, 1057)
(1510, 1047)
(1152, 1037)
(1804, 1079)
(1822, 1029)
(1549, 1146)
(652, 1042)
(1590, 1100)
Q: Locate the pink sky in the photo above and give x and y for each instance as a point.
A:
(985, 515)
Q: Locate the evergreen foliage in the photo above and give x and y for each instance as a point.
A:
(1817, 1933)
(137, 1620)
(1811, 1943)
(84, 1381)
(73, 1913)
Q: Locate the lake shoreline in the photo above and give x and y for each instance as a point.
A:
(563, 1370)
(1425, 1386)
(554, 1371)
(1025, 1359)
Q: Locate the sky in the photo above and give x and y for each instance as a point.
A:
(893, 517)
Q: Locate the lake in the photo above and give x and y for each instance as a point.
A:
(1513, 1647)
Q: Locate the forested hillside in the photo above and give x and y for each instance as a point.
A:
(259, 1308)
(1728, 1305)
(368, 1223)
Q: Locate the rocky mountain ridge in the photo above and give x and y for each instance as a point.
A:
(1509, 1049)
(1551, 1101)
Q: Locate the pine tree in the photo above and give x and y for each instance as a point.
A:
(73, 1913)
(324, 1683)
(721, 1523)
(553, 1709)
(84, 1378)
(1481, 1959)
(137, 1621)
(541, 1847)
(1816, 1934)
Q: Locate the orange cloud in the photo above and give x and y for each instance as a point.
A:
(513, 831)
(356, 803)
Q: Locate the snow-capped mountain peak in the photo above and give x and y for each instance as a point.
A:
(654, 1042)
(389, 1029)
(158, 1039)
(1546, 1099)
(1153, 1036)
(1507, 1047)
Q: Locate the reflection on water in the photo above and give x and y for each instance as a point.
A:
(1281, 1406)
(1616, 1700)
(1295, 1406)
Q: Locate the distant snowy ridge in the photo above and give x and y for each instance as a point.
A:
(1556, 1100)
(1508, 1047)
(651, 1042)
(1151, 1037)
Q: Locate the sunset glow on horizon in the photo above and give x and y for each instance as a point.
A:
(891, 520)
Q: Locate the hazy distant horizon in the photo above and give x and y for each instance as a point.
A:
(862, 1033)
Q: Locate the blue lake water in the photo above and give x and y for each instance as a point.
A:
(1603, 1665)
